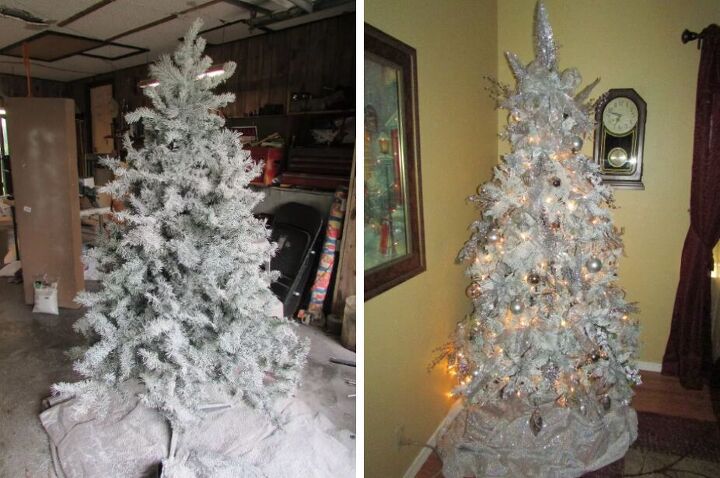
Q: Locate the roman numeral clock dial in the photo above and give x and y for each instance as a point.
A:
(619, 137)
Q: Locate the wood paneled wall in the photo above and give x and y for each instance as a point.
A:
(308, 57)
(16, 86)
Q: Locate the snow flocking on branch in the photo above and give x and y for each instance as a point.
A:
(550, 323)
(185, 306)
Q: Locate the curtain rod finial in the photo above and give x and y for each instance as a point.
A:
(688, 36)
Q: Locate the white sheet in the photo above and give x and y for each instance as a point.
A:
(314, 439)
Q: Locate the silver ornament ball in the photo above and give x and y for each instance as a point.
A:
(577, 143)
(516, 307)
(493, 236)
(594, 264)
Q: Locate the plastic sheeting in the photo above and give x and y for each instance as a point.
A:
(497, 441)
(312, 437)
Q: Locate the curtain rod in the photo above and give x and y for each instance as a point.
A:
(688, 36)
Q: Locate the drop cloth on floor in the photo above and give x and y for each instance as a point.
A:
(314, 439)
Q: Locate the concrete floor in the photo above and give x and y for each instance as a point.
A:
(32, 357)
(32, 348)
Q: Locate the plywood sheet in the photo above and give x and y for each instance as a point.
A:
(41, 132)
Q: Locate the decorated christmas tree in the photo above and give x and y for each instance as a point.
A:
(185, 308)
(545, 362)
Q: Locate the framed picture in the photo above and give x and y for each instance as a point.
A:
(393, 239)
(249, 134)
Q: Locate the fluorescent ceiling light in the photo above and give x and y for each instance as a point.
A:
(214, 70)
(148, 83)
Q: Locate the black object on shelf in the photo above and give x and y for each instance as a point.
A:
(296, 228)
(271, 109)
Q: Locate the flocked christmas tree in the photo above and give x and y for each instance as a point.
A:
(185, 306)
(550, 325)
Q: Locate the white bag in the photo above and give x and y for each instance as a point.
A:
(46, 300)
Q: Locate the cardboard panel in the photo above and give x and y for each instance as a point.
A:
(41, 132)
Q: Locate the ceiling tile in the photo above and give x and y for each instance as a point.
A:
(51, 46)
(112, 52)
(50, 9)
(123, 15)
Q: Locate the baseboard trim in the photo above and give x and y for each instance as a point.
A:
(422, 457)
(650, 366)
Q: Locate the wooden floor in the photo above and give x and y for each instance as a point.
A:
(658, 394)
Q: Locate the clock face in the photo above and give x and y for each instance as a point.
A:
(620, 115)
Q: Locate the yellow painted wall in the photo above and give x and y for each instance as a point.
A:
(634, 44)
(456, 47)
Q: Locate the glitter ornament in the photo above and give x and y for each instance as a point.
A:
(550, 371)
(536, 422)
(474, 290)
(576, 143)
(594, 264)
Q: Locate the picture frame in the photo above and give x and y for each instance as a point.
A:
(249, 134)
(394, 238)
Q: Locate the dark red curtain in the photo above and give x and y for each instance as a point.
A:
(688, 354)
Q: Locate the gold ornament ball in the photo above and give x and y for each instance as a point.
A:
(533, 278)
(473, 290)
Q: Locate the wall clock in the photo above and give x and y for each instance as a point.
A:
(619, 137)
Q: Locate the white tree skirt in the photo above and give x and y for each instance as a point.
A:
(496, 441)
(239, 441)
